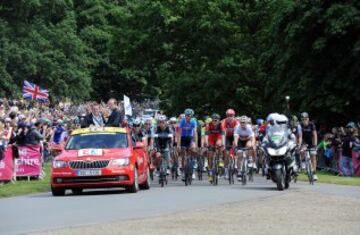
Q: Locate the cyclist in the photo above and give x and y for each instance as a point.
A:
(162, 139)
(148, 131)
(187, 137)
(201, 140)
(137, 133)
(243, 137)
(228, 125)
(174, 128)
(309, 138)
(214, 138)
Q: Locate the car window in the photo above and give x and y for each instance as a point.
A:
(97, 140)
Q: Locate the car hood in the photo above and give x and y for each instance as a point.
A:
(67, 155)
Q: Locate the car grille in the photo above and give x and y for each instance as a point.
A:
(91, 179)
(89, 164)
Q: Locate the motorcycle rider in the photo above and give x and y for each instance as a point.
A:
(278, 120)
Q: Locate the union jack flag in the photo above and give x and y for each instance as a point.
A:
(32, 91)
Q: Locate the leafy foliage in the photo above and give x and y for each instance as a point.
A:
(209, 55)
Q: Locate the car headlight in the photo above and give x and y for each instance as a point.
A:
(59, 164)
(277, 152)
(121, 162)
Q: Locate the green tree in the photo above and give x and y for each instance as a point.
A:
(314, 57)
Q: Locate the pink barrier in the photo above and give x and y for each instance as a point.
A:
(7, 165)
(356, 162)
(29, 161)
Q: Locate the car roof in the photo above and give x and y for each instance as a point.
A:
(98, 130)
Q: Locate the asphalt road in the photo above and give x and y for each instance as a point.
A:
(40, 212)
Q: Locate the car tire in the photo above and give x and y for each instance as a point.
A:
(57, 192)
(146, 185)
(134, 188)
(77, 191)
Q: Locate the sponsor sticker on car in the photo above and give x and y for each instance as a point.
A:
(90, 152)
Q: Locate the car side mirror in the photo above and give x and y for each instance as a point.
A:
(139, 145)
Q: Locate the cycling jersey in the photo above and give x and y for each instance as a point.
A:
(215, 132)
(307, 134)
(187, 128)
(162, 138)
(244, 133)
(229, 126)
(137, 137)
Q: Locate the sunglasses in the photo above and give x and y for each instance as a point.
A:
(136, 125)
(242, 122)
(230, 116)
(147, 124)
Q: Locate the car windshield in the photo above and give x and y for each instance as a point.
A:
(97, 140)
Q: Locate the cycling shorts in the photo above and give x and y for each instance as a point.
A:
(229, 142)
(186, 141)
(213, 139)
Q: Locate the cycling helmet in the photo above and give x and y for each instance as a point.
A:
(230, 112)
(137, 122)
(304, 115)
(249, 120)
(294, 118)
(351, 125)
(7, 120)
(173, 119)
(201, 123)
(162, 118)
(215, 116)
(243, 119)
(208, 120)
(189, 112)
(259, 121)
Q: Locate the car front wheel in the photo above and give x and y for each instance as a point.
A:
(57, 192)
(134, 188)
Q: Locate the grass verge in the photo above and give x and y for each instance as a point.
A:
(326, 177)
(23, 186)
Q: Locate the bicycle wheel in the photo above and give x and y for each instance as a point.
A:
(309, 172)
(251, 175)
(244, 172)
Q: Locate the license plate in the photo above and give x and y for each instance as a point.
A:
(88, 172)
(90, 152)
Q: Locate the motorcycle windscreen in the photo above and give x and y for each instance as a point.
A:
(277, 135)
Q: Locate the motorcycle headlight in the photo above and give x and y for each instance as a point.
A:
(121, 162)
(59, 164)
(277, 152)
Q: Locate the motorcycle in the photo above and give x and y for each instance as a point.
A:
(279, 148)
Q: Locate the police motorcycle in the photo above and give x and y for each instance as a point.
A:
(279, 147)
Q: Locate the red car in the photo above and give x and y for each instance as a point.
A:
(100, 158)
